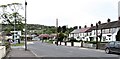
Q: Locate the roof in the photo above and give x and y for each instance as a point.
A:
(117, 24)
(76, 31)
(44, 35)
(113, 24)
(99, 26)
(108, 25)
(82, 30)
(91, 28)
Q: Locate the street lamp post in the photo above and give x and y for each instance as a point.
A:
(57, 31)
(25, 25)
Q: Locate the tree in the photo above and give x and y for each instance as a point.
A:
(64, 29)
(14, 17)
(18, 22)
(75, 27)
(97, 43)
(59, 29)
(61, 36)
(118, 36)
(4, 15)
(70, 29)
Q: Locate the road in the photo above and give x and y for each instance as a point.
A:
(50, 50)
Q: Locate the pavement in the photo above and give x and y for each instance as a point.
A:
(19, 52)
(44, 51)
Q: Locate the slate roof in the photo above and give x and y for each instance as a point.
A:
(82, 30)
(117, 24)
(76, 31)
(99, 26)
(91, 28)
(113, 24)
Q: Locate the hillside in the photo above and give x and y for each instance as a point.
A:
(36, 27)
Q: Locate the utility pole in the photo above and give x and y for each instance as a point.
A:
(57, 31)
(25, 25)
(96, 36)
(101, 35)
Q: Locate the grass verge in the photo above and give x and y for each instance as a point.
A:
(21, 44)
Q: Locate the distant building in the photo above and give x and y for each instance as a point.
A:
(17, 34)
(80, 34)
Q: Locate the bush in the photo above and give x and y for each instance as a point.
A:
(7, 45)
(72, 39)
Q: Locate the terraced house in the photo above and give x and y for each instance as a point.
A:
(81, 33)
(106, 32)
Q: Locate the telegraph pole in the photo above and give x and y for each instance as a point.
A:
(97, 36)
(25, 25)
(57, 31)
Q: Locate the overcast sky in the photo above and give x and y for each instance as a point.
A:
(69, 12)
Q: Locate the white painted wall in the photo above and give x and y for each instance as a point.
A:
(2, 51)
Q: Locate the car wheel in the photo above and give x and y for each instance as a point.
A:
(107, 50)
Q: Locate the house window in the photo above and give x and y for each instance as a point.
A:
(94, 32)
(91, 38)
(87, 34)
(104, 38)
(83, 34)
(109, 30)
(86, 39)
(104, 31)
(90, 34)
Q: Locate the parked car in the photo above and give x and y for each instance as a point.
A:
(113, 46)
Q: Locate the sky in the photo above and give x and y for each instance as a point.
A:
(68, 12)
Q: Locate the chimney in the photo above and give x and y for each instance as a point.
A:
(79, 27)
(91, 25)
(108, 20)
(99, 22)
(85, 26)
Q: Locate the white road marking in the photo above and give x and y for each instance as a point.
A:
(92, 49)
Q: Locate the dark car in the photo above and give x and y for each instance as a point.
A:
(113, 46)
